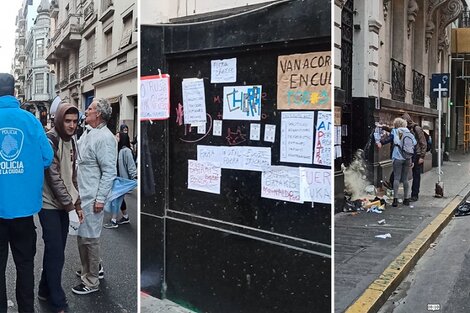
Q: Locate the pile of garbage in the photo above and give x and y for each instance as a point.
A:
(375, 205)
(463, 209)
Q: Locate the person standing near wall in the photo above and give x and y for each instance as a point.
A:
(60, 196)
(25, 153)
(97, 149)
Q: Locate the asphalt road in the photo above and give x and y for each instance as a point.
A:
(118, 290)
(439, 282)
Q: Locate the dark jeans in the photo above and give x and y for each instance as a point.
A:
(20, 233)
(55, 227)
(417, 170)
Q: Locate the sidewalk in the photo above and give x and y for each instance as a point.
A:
(149, 304)
(368, 269)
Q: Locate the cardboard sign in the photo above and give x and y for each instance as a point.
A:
(304, 81)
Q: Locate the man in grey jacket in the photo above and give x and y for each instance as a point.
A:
(97, 157)
(59, 197)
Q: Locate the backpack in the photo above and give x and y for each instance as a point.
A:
(406, 146)
(428, 139)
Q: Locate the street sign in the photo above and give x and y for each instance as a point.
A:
(443, 79)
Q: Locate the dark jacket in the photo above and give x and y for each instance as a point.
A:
(52, 175)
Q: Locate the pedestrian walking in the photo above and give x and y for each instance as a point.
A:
(25, 153)
(126, 169)
(418, 158)
(96, 171)
(60, 196)
(404, 144)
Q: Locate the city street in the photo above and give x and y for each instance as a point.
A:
(118, 290)
(440, 280)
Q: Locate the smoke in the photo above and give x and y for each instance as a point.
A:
(355, 177)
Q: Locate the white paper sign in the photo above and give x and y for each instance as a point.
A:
(323, 139)
(281, 183)
(201, 129)
(203, 177)
(155, 97)
(270, 133)
(315, 185)
(242, 103)
(237, 158)
(224, 71)
(255, 131)
(217, 130)
(297, 133)
(194, 101)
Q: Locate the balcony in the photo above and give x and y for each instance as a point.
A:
(88, 11)
(20, 39)
(73, 77)
(87, 70)
(398, 81)
(64, 82)
(107, 10)
(67, 36)
(418, 88)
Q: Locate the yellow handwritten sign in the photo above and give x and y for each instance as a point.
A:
(304, 81)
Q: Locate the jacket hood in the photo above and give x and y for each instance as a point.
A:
(59, 119)
(408, 119)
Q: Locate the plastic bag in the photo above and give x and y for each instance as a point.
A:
(121, 186)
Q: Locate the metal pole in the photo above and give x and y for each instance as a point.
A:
(439, 109)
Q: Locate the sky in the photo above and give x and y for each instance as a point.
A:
(8, 15)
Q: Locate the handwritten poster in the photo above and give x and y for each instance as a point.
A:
(224, 71)
(203, 177)
(155, 97)
(238, 158)
(194, 101)
(315, 185)
(323, 139)
(242, 103)
(304, 81)
(281, 183)
(297, 137)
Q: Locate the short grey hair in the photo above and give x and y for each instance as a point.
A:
(104, 108)
(399, 122)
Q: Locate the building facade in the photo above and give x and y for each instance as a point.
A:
(93, 49)
(389, 51)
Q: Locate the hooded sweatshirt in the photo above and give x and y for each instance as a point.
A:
(418, 132)
(60, 186)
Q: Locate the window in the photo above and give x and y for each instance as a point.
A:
(39, 48)
(109, 42)
(127, 31)
(90, 49)
(39, 81)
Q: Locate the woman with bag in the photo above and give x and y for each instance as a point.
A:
(126, 169)
(403, 149)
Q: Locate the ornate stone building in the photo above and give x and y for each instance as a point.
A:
(388, 51)
(93, 49)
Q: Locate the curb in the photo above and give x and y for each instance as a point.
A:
(380, 290)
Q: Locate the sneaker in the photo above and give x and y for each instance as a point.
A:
(100, 273)
(406, 202)
(83, 290)
(111, 224)
(414, 198)
(123, 220)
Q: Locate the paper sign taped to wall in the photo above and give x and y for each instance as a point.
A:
(297, 137)
(281, 183)
(237, 158)
(242, 103)
(194, 101)
(323, 139)
(203, 177)
(224, 71)
(304, 81)
(315, 185)
(155, 97)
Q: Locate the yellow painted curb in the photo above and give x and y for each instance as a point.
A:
(379, 291)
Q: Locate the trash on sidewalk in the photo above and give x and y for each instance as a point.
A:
(463, 209)
(384, 236)
(381, 222)
(374, 209)
(370, 190)
(432, 245)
